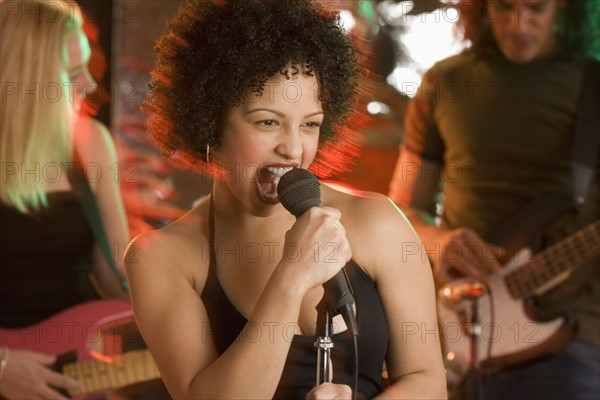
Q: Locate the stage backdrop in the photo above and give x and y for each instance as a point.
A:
(136, 25)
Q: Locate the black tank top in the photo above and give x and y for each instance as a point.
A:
(45, 260)
(299, 373)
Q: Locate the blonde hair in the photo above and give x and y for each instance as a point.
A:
(36, 118)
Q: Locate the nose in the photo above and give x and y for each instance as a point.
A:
(290, 144)
(520, 19)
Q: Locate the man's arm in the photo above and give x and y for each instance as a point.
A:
(414, 188)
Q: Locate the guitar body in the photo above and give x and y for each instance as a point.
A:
(79, 328)
(505, 334)
(88, 340)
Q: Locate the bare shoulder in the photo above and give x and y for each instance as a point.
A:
(178, 250)
(376, 228)
(372, 213)
(92, 140)
(89, 125)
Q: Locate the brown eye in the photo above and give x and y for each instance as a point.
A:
(268, 122)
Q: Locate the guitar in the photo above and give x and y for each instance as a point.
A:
(88, 342)
(505, 335)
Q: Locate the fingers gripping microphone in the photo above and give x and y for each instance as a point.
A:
(298, 190)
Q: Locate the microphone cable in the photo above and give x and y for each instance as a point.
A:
(355, 378)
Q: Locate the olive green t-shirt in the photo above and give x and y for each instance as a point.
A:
(504, 134)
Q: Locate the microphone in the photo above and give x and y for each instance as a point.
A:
(298, 190)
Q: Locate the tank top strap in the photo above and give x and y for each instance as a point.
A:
(226, 322)
(212, 267)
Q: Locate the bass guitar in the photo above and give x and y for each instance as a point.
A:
(488, 324)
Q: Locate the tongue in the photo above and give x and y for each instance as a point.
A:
(267, 181)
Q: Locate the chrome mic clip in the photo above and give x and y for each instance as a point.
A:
(323, 343)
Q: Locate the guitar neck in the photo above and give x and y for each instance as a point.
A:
(553, 265)
(126, 369)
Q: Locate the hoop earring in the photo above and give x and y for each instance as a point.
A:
(208, 154)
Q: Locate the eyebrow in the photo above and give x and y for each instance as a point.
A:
(280, 114)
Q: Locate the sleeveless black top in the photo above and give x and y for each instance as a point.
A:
(299, 373)
(45, 260)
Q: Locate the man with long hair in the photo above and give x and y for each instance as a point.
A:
(489, 139)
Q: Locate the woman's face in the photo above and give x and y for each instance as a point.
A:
(268, 135)
(80, 82)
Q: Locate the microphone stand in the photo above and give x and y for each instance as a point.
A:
(457, 296)
(474, 389)
(323, 342)
(337, 299)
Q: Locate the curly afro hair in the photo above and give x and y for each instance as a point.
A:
(213, 53)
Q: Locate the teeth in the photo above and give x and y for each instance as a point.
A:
(279, 171)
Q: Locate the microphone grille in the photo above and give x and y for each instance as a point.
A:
(298, 190)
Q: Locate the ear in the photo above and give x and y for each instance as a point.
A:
(560, 17)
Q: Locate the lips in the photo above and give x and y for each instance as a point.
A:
(519, 41)
(267, 179)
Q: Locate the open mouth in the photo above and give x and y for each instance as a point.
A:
(267, 179)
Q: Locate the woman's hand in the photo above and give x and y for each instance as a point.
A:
(330, 391)
(27, 376)
(316, 247)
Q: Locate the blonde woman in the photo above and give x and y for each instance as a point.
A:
(48, 251)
